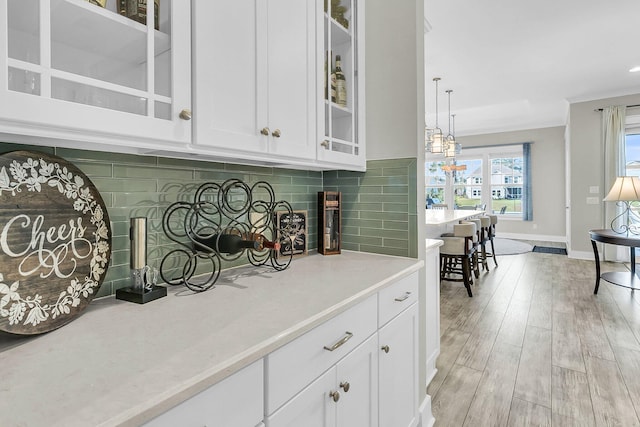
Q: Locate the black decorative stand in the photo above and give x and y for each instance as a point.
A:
(141, 296)
(232, 207)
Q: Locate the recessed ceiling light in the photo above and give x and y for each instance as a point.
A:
(634, 69)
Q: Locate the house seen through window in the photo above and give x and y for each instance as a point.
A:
(492, 178)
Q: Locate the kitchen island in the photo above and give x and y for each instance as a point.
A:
(123, 364)
(439, 221)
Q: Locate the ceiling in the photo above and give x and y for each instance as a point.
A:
(515, 65)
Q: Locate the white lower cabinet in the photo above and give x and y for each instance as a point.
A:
(357, 383)
(236, 401)
(432, 311)
(369, 379)
(398, 369)
(344, 396)
(310, 408)
(357, 369)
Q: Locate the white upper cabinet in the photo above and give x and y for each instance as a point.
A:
(254, 78)
(73, 70)
(340, 139)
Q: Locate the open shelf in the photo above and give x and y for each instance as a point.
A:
(340, 111)
(86, 27)
(339, 34)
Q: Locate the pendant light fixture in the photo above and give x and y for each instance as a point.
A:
(451, 147)
(435, 142)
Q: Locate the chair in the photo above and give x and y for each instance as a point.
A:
(485, 225)
(503, 209)
(456, 255)
(475, 264)
(439, 206)
(480, 207)
(492, 234)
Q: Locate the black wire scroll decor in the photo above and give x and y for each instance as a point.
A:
(230, 208)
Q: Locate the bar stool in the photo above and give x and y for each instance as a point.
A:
(485, 225)
(456, 255)
(475, 262)
(492, 234)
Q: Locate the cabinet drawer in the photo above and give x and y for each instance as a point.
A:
(397, 297)
(236, 401)
(290, 368)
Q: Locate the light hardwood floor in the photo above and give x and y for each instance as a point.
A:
(535, 347)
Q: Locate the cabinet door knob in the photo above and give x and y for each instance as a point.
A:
(335, 395)
(265, 131)
(325, 144)
(385, 348)
(185, 114)
(345, 386)
(276, 133)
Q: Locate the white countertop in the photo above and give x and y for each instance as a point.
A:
(122, 363)
(446, 216)
(433, 243)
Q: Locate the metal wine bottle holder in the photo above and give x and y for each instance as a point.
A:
(232, 207)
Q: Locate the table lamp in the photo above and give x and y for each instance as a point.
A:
(626, 189)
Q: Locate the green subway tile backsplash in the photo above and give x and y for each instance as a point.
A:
(133, 185)
(377, 206)
(378, 215)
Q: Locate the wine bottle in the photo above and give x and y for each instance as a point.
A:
(333, 84)
(326, 76)
(263, 242)
(225, 243)
(341, 84)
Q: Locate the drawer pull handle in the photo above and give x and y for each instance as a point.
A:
(264, 131)
(404, 297)
(347, 336)
(345, 386)
(385, 348)
(335, 395)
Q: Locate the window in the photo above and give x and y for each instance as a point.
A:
(632, 151)
(435, 180)
(506, 183)
(632, 161)
(494, 176)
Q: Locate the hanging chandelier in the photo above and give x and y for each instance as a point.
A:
(435, 142)
(451, 146)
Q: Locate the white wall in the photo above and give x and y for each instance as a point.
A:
(394, 82)
(548, 181)
(394, 86)
(586, 170)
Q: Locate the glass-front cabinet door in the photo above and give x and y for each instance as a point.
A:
(96, 70)
(341, 88)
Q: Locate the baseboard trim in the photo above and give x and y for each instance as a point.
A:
(426, 415)
(431, 366)
(541, 237)
(587, 255)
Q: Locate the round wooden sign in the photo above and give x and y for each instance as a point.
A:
(55, 242)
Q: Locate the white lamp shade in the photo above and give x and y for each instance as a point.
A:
(437, 144)
(626, 188)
